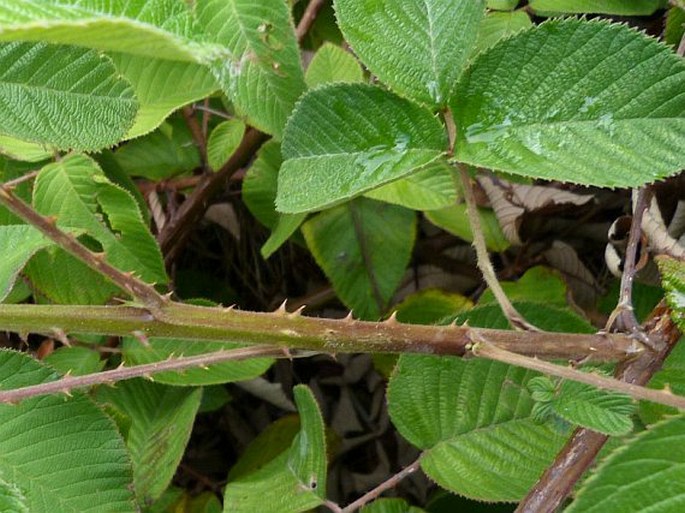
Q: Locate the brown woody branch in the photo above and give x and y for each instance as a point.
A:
(557, 482)
(138, 289)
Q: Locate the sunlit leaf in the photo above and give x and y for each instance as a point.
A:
(417, 47)
(584, 102)
(332, 64)
(345, 139)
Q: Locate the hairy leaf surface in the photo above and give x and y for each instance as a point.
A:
(64, 97)
(76, 191)
(264, 76)
(364, 248)
(647, 475)
(154, 28)
(345, 139)
(64, 455)
(417, 47)
(332, 64)
(162, 86)
(582, 102)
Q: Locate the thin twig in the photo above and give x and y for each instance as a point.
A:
(188, 113)
(11, 184)
(482, 257)
(560, 478)
(485, 349)
(308, 18)
(681, 47)
(623, 315)
(140, 290)
(388, 484)
(212, 111)
(68, 383)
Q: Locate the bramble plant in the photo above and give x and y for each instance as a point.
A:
(371, 135)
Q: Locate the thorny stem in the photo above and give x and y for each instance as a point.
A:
(558, 481)
(68, 383)
(371, 495)
(623, 315)
(140, 290)
(294, 331)
(484, 349)
(483, 259)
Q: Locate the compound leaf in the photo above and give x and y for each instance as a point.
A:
(583, 102)
(417, 47)
(647, 475)
(64, 97)
(64, 455)
(346, 139)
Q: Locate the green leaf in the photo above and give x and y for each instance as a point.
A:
(498, 25)
(576, 101)
(333, 152)
(19, 242)
(272, 441)
(12, 499)
(675, 26)
(670, 377)
(527, 288)
(431, 306)
(673, 280)
(620, 7)
(601, 411)
(64, 455)
(430, 188)
(417, 47)
(164, 153)
(502, 5)
(473, 420)
(161, 418)
(286, 226)
(647, 475)
(223, 141)
(161, 87)
(332, 64)
(60, 278)
(66, 97)
(390, 506)
(264, 76)
(23, 150)
(76, 191)
(154, 28)
(364, 248)
(75, 361)
(135, 353)
(260, 184)
(293, 482)
(544, 316)
(455, 220)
